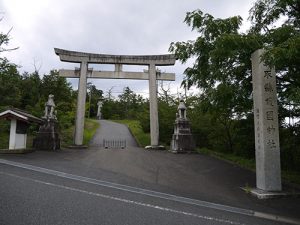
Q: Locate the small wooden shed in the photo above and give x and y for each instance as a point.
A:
(20, 121)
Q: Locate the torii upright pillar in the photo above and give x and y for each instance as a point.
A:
(154, 127)
(118, 60)
(80, 112)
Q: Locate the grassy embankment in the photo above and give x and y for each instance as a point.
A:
(143, 139)
(90, 127)
(289, 176)
(66, 136)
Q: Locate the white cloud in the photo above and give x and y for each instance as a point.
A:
(112, 27)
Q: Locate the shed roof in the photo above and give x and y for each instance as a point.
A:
(18, 114)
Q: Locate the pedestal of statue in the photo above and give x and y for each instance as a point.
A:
(182, 139)
(47, 137)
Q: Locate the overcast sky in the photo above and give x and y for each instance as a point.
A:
(107, 27)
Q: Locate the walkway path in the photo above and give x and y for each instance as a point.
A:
(112, 131)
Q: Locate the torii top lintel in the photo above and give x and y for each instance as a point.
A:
(73, 56)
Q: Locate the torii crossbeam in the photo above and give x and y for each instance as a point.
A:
(118, 60)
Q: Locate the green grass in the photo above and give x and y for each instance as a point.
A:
(90, 127)
(289, 176)
(143, 139)
(242, 162)
(66, 135)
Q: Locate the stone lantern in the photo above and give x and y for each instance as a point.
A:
(182, 139)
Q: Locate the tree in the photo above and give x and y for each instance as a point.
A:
(9, 76)
(93, 96)
(278, 21)
(58, 86)
(282, 44)
(30, 100)
(64, 97)
(222, 69)
(10, 80)
(130, 103)
(222, 66)
(4, 41)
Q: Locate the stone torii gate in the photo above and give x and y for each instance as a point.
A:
(118, 60)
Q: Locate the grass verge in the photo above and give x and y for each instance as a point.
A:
(66, 135)
(142, 138)
(90, 127)
(288, 176)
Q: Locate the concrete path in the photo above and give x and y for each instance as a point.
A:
(112, 131)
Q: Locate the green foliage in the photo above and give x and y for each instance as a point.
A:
(93, 97)
(241, 161)
(4, 134)
(9, 84)
(167, 116)
(222, 71)
(58, 86)
(278, 21)
(289, 145)
(287, 175)
(127, 106)
(90, 128)
(67, 134)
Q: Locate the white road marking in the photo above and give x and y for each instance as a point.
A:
(125, 200)
(154, 193)
(131, 189)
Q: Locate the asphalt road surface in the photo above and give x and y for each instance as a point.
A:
(132, 186)
(33, 195)
(112, 131)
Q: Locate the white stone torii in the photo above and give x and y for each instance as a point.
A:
(118, 60)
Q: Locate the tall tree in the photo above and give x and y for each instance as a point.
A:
(9, 76)
(58, 86)
(221, 68)
(10, 81)
(278, 21)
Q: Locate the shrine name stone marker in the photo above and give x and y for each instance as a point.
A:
(267, 149)
(118, 60)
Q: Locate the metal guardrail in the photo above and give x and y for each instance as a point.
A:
(114, 144)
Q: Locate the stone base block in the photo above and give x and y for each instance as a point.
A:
(155, 147)
(47, 137)
(182, 143)
(77, 147)
(261, 194)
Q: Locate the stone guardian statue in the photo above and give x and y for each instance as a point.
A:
(49, 108)
(48, 137)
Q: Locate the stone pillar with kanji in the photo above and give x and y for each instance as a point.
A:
(267, 149)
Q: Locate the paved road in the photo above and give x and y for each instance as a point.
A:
(131, 186)
(81, 187)
(112, 131)
(33, 195)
